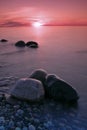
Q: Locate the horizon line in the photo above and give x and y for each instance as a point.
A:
(44, 25)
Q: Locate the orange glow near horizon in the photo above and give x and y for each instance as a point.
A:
(37, 24)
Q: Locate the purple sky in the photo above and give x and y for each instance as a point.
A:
(48, 12)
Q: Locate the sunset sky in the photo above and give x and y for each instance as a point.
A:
(18, 13)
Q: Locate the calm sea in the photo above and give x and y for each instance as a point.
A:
(62, 51)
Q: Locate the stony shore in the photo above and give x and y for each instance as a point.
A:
(47, 115)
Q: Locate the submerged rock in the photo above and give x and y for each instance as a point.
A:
(58, 89)
(3, 40)
(32, 44)
(28, 89)
(20, 44)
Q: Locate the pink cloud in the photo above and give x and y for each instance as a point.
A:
(14, 24)
(25, 16)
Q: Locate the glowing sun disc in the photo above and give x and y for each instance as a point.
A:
(37, 24)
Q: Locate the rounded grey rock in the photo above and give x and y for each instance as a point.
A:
(28, 89)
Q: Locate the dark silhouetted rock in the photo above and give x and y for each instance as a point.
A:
(4, 40)
(32, 44)
(60, 90)
(28, 89)
(20, 44)
(40, 75)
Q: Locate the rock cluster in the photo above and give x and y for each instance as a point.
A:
(31, 44)
(40, 84)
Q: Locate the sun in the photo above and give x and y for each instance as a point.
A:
(37, 24)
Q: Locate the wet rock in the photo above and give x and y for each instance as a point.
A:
(3, 40)
(32, 44)
(58, 89)
(28, 89)
(20, 44)
(39, 74)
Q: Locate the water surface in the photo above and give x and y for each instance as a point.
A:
(62, 50)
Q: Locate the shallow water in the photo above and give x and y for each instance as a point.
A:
(62, 50)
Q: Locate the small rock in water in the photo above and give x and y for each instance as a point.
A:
(4, 40)
(20, 44)
(32, 44)
(32, 127)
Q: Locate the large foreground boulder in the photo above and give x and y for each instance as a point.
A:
(28, 89)
(58, 89)
(32, 44)
(20, 44)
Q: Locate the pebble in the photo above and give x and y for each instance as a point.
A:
(11, 124)
(32, 127)
(19, 124)
(19, 112)
(39, 128)
(48, 124)
(2, 120)
(16, 107)
(25, 116)
(62, 128)
(17, 128)
(36, 121)
(2, 128)
(25, 128)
